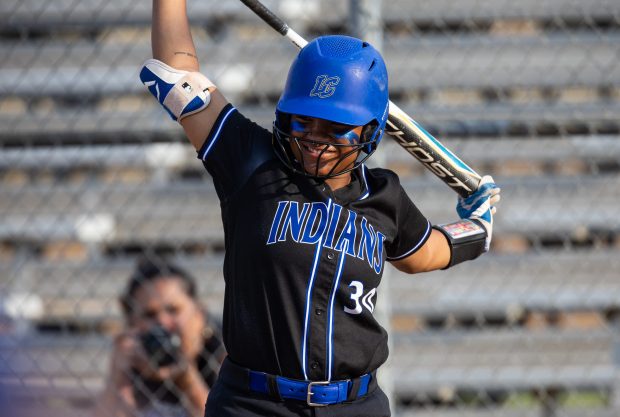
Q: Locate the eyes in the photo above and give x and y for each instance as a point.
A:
(336, 131)
(151, 314)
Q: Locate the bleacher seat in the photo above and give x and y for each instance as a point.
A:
(560, 60)
(98, 13)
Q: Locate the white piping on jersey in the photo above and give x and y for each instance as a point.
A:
(317, 256)
(367, 193)
(330, 317)
(217, 134)
(422, 240)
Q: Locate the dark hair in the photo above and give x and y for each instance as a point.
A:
(148, 269)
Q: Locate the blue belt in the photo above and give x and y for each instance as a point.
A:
(314, 393)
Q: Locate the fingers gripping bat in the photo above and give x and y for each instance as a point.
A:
(402, 128)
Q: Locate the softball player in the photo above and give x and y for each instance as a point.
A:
(308, 226)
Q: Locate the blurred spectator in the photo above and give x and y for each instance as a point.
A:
(167, 358)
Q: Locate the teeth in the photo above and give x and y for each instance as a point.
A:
(314, 148)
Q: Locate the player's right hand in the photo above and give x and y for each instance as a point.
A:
(480, 206)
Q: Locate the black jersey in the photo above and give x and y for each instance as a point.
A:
(303, 263)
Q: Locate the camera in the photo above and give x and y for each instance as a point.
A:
(162, 346)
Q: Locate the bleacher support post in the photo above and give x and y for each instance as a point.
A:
(365, 21)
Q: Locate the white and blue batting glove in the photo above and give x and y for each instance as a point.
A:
(480, 206)
(181, 93)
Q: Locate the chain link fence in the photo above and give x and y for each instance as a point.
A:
(94, 175)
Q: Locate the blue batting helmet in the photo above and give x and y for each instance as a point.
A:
(340, 79)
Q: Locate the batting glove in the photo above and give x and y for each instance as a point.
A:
(181, 93)
(480, 206)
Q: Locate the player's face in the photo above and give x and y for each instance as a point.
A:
(165, 302)
(323, 147)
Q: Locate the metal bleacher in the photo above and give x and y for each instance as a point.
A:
(91, 71)
(199, 210)
(31, 13)
(581, 60)
(92, 173)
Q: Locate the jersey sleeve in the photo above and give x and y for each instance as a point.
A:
(413, 229)
(235, 147)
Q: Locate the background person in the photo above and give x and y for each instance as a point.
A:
(167, 358)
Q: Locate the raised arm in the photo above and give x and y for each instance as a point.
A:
(168, 80)
(171, 39)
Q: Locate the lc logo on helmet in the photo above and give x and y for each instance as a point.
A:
(324, 86)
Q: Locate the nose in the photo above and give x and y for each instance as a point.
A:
(318, 130)
(318, 136)
(166, 321)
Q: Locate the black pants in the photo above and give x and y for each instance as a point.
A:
(230, 400)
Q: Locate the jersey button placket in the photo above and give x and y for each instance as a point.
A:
(317, 345)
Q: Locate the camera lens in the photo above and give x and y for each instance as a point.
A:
(161, 346)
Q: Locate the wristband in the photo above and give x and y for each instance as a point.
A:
(466, 238)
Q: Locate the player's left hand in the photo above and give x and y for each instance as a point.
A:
(480, 206)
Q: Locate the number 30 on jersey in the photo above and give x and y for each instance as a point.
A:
(360, 299)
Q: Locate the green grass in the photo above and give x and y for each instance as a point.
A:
(576, 399)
